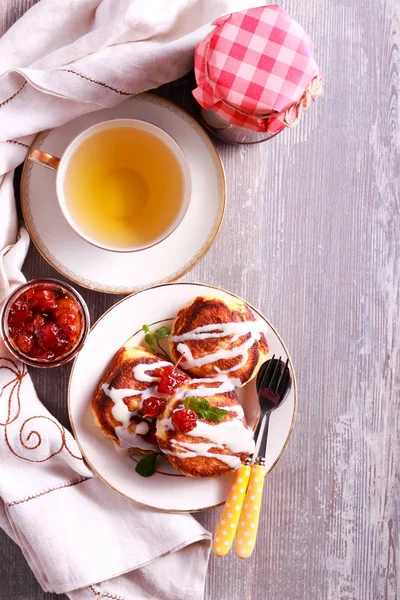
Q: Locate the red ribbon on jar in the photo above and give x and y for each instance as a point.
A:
(256, 74)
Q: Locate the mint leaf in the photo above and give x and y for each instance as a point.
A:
(216, 414)
(149, 339)
(148, 336)
(204, 410)
(147, 465)
(197, 406)
(161, 333)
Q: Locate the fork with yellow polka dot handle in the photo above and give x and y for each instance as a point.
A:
(273, 383)
(230, 515)
(271, 376)
(250, 515)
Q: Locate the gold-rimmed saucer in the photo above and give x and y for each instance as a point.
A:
(123, 273)
(161, 491)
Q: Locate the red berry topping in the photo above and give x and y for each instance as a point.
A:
(25, 342)
(152, 407)
(43, 300)
(19, 314)
(66, 305)
(70, 323)
(37, 323)
(184, 420)
(50, 336)
(42, 353)
(171, 379)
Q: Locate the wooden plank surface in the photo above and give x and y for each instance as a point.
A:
(311, 237)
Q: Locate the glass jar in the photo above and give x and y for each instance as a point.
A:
(44, 323)
(255, 74)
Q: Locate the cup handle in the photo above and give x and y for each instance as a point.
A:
(45, 159)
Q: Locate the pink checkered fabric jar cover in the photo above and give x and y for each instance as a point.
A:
(256, 69)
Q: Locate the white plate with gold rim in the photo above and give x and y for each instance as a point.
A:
(166, 490)
(124, 273)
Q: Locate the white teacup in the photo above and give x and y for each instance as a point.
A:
(173, 197)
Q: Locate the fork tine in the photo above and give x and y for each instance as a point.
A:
(281, 376)
(266, 375)
(275, 376)
(284, 378)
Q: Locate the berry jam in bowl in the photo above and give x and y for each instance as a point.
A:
(44, 323)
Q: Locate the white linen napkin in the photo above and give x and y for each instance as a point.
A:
(65, 58)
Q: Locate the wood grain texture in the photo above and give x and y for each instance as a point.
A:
(311, 237)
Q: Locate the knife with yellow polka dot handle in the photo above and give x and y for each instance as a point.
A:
(250, 515)
(229, 518)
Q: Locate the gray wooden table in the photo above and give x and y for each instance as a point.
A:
(311, 237)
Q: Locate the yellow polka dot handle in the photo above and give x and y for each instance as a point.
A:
(248, 524)
(229, 519)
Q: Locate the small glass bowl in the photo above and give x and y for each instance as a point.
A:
(39, 362)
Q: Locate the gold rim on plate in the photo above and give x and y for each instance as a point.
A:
(98, 287)
(294, 383)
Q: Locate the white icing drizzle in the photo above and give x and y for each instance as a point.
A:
(226, 385)
(233, 434)
(140, 371)
(220, 330)
(236, 408)
(123, 415)
(165, 424)
(203, 391)
(142, 428)
(131, 439)
(120, 411)
(188, 450)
